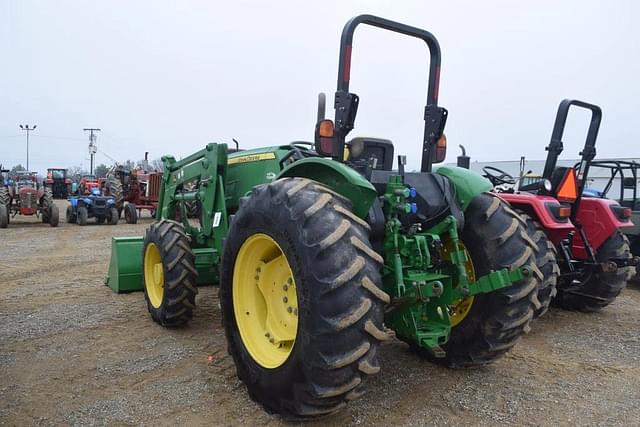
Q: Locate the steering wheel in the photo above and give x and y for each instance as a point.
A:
(298, 152)
(498, 176)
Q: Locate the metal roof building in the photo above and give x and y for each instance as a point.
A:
(598, 177)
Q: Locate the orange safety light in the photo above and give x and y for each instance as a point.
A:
(441, 149)
(568, 189)
(326, 129)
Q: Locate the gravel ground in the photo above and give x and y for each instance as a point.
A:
(72, 352)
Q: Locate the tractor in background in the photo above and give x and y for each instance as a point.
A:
(21, 195)
(623, 180)
(58, 183)
(319, 247)
(94, 205)
(134, 191)
(88, 183)
(583, 254)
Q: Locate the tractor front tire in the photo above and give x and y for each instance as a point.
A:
(130, 213)
(169, 273)
(4, 216)
(495, 238)
(82, 215)
(546, 262)
(54, 215)
(599, 289)
(295, 246)
(112, 216)
(69, 216)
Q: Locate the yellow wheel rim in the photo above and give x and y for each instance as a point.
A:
(460, 308)
(265, 301)
(153, 275)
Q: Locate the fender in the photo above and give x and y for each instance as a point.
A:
(337, 176)
(599, 223)
(468, 184)
(538, 208)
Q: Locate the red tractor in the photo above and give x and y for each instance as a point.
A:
(88, 183)
(59, 183)
(581, 236)
(23, 196)
(138, 188)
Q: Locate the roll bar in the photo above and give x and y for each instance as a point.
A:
(555, 146)
(346, 103)
(588, 153)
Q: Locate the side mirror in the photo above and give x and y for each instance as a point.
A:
(441, 149)
(324, 137)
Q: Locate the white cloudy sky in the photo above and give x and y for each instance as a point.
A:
(170, 76)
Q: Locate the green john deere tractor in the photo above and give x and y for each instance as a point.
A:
(322, 251)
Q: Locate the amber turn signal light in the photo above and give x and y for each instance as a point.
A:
(326, 129)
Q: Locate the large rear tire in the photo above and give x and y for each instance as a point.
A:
(5, 200)
(5, 197)
(324, 250)
(634, 244)
(169, 274)
(495, 238)
(194, 207)
(45, 205)
(599, 289)
(4, 216)
(114, 188)
(546, 261)
(54, 216)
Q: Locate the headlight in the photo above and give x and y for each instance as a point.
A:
(547, 185)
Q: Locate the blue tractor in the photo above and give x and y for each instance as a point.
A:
(93, 205)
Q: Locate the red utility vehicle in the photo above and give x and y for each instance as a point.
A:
(581, 235)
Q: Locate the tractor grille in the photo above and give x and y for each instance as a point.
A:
(29, 200)
(100, 203)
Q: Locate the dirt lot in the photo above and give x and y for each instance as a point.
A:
(73, 352)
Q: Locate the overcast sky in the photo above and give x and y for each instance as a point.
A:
(168, 77)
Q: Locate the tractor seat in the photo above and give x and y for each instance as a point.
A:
(363, 149)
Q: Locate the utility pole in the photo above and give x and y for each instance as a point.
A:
(28, 129)
(93, 148)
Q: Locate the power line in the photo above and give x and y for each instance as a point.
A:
(108, 156)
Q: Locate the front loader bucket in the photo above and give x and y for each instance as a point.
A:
(125, 267)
